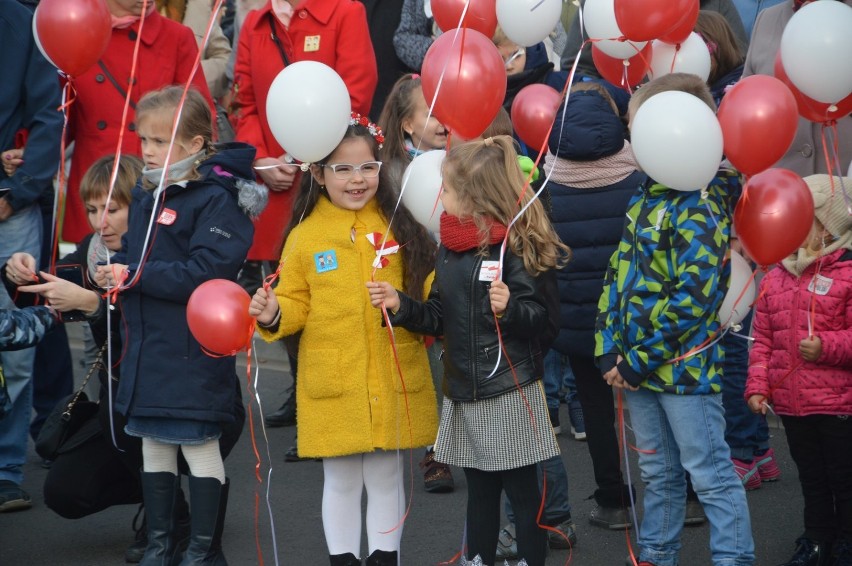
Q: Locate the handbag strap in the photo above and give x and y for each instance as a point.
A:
(276, 40)
(114, 82)
(95, 365)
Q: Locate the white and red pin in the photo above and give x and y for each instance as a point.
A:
(389, 247)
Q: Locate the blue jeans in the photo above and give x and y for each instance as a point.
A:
(20, 233)
(557, 373)
(687, 432)
(557, 509)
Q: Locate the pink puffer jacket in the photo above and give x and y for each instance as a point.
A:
(776, 368)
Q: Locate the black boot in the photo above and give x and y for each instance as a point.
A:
(810, 553)
(135, 551)
(286, 415)
(159, 493)
(208, 499)
(382, 558)
(347, 559)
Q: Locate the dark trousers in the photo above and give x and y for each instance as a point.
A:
(483, 513)
(821, 446)
(599, 417)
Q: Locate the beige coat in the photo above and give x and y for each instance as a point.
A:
(218, 51)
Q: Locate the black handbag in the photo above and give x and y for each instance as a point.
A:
(72, 422)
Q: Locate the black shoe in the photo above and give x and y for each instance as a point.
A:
(347, 559)
(612, 518)
(694, 513)
(285, 416)
(382, 558)
(292, 455)
(810, 553)
(134, 553)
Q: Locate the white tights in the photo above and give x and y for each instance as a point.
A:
(345, 478)
(205, 460)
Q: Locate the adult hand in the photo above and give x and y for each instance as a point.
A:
(276, 174)
(811, 348)
(110, 275)
(21, 269)
(264, 306)
(382, 292)
(63, 295)
(499, 295)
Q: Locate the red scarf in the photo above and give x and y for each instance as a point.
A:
(461, 236)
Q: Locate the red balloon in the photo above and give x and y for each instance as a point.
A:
(774, 215)
(759, 121)
(473, 85)
(810, 109)
(73, 33)
(644, 20)
(481, 15)
(218, 316)
(681, 31)
(533, 112)
(612, 69)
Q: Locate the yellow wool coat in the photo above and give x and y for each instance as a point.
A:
(349, 394)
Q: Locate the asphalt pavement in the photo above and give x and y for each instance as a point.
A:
(274, 510)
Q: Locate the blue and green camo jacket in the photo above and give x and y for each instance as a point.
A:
(663, 288)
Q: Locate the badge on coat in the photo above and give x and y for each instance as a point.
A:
(167, 217)
(820, 285)
(312, 43)
(489, 270)
(325, 261)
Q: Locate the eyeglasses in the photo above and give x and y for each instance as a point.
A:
(345, 171)
(508, 60)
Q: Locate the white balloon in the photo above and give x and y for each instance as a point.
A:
(816, 50)
(599, 19)
(692, 57)
(528, 22)
(742, 287)
(677, 140)
(308, 110)
(421, 186)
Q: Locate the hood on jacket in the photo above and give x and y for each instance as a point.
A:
(231, 167)
(591, 129)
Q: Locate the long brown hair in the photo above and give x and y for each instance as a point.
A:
(417, 246)
(399, 106)
(715, 30)
(488, 181)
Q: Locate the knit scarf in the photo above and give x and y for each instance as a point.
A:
(177, 171)
(412, 151)
(463, 235)
(797, 262)
(592, 174)
(122, 22)
(96, 254)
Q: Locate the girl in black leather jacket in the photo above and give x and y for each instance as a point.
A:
(487, 305)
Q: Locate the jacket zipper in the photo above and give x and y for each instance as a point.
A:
(472, 313)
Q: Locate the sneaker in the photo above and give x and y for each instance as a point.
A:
(554, 420)
(437, 477)
(694, 513)
(612, 518)
(748, 472)
(767, 466)
(578, 424)
(13, 498)
(507, 546)
(567, 528)
(629, 562)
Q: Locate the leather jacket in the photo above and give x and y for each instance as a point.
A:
(458, 308)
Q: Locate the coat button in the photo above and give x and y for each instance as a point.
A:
(807, 150)
(303, 14)
(132, 36)
(99, 78)
(101, 125)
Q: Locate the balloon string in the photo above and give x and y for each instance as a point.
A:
(625, 463)
(68, 99)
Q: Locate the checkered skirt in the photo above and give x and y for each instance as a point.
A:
(500, 433)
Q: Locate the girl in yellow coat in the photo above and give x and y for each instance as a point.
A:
(355, 410)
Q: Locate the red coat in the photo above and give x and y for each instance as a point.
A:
(167, 53)
(781, 322)
(338, 30)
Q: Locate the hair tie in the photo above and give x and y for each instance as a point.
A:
(414, 76)
(489, 141)
(375, 131)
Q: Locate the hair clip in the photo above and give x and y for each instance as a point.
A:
(375, 131)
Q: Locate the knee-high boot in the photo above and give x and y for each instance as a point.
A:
(208, 500)
(159, 492)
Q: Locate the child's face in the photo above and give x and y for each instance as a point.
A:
(425, 133)
(356, 179)
(449, 198)
(514, 57)
(114, 223)
(155, 132)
